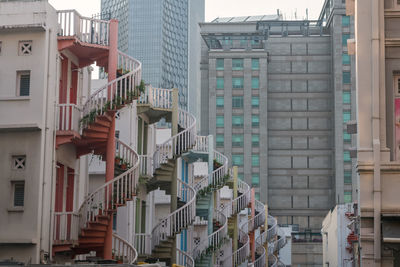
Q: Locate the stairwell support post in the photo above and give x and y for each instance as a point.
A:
(235, 217)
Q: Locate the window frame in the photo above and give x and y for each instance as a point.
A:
(255, 78)
(218, 142)
(216, 64)
(258, 102)
(240, 156)
(237, 144)
(237, 99)
(216, 122)
(216, 102)
(20, 73)
(255, 123)
(237, 66)
(238, 125)
(253, 160)
(240, 79)
(223, 83)
(258, 63)
(253, 143)
(14, 184)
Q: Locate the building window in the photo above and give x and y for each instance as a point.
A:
(255, 140)
(220, 64)
(345, 59)
(237, 64)
(220, 140)
(220, 82)
(347, 177)
(255, 101)
(237, 121)
(240, 176)
(220, 101)
(346, 137)
(346, 156)
(237, 102)
(237, 160)
(255, 83)
(255, 64)
(345, 21)
(18, 162)
(237, 82)
(23, 83)
(257, 196)
(255, 180)
(255, 160)
(346, 116)
(237, 140)
(347, 197)
(220, 121)
(19, 192)
(346, 77)
(346, 97)
(255, 120)
(25, 48)
(345, 37)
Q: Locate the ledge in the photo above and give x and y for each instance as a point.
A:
(18, 241)
(21, 127)
(15, 98)
(16, 209)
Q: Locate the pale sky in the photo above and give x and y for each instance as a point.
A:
(221, 8)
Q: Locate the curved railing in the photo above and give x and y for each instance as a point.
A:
(115, 192)
(178, 220)
(118, 92)
(271, 231)
(281, 242)
(272, 261)
(259, 219)
(123, 251)
(156, 97)
(184, 259)
(201, 144)
(261, 260)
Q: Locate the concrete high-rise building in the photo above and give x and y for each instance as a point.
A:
(164, 35)
(278, 95)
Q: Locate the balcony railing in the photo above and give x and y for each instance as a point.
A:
(65, 227)
(201, 144)
(123, 251)
(146, 165)
(157, 97)
(272, 228)
(184, 259)
(87, 30)
(142, 243)
(68, 116)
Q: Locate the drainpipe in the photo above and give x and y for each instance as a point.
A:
(375, 43)
(174, 181)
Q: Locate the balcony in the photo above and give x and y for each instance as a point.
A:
(67, 126)
(156, 103)
(65, 231)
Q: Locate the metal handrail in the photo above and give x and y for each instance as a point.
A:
(184, 259)
(156, 97)
(123, 250)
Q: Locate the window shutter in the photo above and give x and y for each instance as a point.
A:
(19, 190)
(24, 84)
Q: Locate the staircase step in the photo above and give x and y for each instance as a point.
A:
(86, 232)
(94, 135)
(97, 226)
(91, 240)
(98, 128)
(102, 123)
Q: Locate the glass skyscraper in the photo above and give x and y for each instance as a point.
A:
(164, 35)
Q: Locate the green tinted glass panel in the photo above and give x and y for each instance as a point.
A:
(237, 160)
(237, 102)
(255, 179)
(347, 177)
(255, 83)
(240, 176)
(237, 140)
(255, 160)
(220, 82)
(346, 137)
(345, 59)
(255, 120)
(220, 64)
(220, 121)
(345, 36)
(255, 64)
(346, 97)
(346, 156)
(255, 140)
(220, 101)
(220, 140)
(345, 20)
(237, 64)
(347, 197)
(255, 101)
(346, 77)
(237, 121)
(237, 82)
(257, 195)
(346, 116)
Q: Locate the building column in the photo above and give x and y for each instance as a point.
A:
(235, 216)
(174, 182)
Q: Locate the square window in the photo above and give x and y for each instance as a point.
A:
(220, 82)
(255, 140)
(257, 196)
(237, 121)
(220, 121)
(237, 102)
(18, 162)
(237, 160)
(346, 156)
(220, 140)
(347, 197)
(255, 179)
(237, 82)
(255, 64)
(255, 102)
(255, 120)
(25, 48)
(347, 177)
(345, 20)
(345, 59)
(220, 64)
(220, 101)
(237, 64)
(255, 160)
(345, 37)
(19, 193)
(346, 116)
(237, 140)
(346, 137)
(346, 77)
(255, 83)
(346, 97)
(23, 83)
